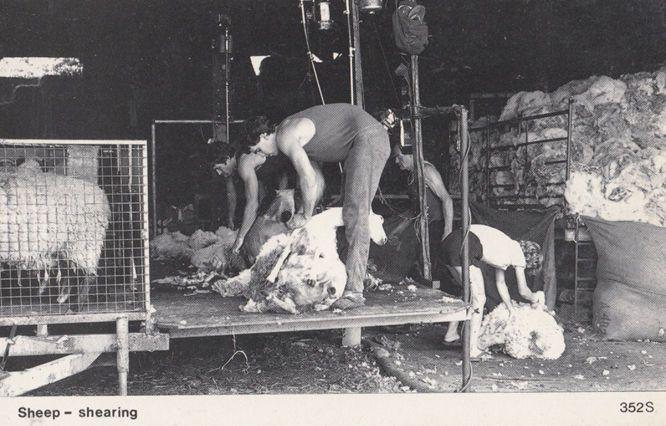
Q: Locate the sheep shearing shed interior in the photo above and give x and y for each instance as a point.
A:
(193, 179)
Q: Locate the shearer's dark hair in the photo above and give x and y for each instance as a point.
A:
(254, 127)
(224, 152)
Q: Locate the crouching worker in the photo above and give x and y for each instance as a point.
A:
(335, 133)
(494, 248)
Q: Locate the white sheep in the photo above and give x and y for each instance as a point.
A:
(47, 219)
(298, 270)
(530, 332)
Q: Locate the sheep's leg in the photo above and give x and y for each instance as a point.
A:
(43, 284)
(272, 277)
(65, 290)
(84, 290)
(135, 276)
(235, 286)
(58, 275)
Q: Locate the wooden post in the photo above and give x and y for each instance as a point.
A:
(352, 336)
(418, 164)
(122, 356)
(464, 146)
(42, 330)
(153, 177)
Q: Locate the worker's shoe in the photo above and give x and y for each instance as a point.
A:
(349, 300)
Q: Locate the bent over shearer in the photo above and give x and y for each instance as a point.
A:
(333, 133)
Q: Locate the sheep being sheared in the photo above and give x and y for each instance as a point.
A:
(530, 332)
(299, 270)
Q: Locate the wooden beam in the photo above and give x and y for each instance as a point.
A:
(19, 382)
(418, 168)
(35, 319)
(82, 343)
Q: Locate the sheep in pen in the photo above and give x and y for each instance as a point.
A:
(51, 225)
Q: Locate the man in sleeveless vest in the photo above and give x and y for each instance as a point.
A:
(334, 133)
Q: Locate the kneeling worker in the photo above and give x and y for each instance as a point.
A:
(335, 133)
(496, 249)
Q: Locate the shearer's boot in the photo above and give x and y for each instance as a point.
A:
(349, 300)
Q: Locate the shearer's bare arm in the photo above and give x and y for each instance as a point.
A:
(290, 137)
(231, 202)
(502, 289)
(523, 289)
(434, 181)
(246, 170)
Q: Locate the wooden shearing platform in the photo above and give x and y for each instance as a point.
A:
(211, 315)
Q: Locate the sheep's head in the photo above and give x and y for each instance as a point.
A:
(377, 233)
(282, 206)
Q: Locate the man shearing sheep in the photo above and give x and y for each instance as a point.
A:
(334, 133)
(496, 249)
(260, 175)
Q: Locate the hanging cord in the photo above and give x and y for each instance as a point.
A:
(310, 55)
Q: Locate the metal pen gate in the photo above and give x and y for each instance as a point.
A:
(73, 247)
(516, 188)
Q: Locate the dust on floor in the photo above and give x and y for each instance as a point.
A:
(588, 364)
(295, 363)
(314, 362)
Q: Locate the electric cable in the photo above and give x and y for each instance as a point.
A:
(310, 55)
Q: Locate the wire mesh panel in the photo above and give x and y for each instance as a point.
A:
(73, 229)
(520, 164)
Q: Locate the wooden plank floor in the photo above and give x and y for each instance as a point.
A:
(212, 315)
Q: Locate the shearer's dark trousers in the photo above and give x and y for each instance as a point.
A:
(362, 170)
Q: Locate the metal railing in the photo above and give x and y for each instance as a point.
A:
(518, 159)
(73, 231)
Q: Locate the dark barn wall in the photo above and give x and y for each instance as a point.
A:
(157, 56)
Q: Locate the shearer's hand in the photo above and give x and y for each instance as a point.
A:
(539, 298)
(297, 221)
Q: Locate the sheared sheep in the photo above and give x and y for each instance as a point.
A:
(530, 332)
(299, 270)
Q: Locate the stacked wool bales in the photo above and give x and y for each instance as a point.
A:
(45, 217)
(618, 148)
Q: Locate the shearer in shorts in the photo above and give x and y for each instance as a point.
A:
(333, 133)
(494, 248)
